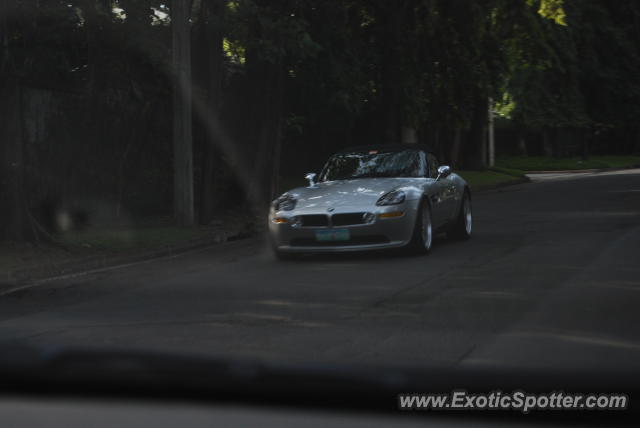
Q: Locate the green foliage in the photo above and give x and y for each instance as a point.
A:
(307, 77)
(579, 74)
(277, 33)
(551, 9)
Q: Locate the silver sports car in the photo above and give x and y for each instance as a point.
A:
(370, 198)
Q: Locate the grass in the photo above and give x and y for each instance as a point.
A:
(127, 238)
(92, 242)
(15, 256)
(99, 241)
(150, 235)
(541, 163)
(491, 177)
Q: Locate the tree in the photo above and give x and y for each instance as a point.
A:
(572, 77)
(182, 121)
(211, 20)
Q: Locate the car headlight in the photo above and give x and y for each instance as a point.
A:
(285, 202)
(394, 197)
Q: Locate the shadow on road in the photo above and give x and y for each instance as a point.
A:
(397, 253)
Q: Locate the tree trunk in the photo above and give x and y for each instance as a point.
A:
(585, 143)
(391, 102)
(553, 139)
(474, 144)
(262, 137)
(409, 135)
(182, 126)
(212, 17)
(4, 35)
(278, 134)
(456, 146)
(12, 181)
(392, 17)
(438, 145)
(257, 136)
(547, 146)
(522, 144)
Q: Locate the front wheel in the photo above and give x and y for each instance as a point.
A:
(422, 239)
(463, 224)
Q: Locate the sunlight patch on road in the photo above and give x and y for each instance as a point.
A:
(597, 214)
(276, 303)
(394, 314)
(272, 318)
(578, 337)
(498, 294)
(617, 284)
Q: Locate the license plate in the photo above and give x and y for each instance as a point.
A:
(332, 235)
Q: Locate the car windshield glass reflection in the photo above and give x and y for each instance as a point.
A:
(363, 165)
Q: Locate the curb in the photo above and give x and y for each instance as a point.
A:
(526, 179)
(486, 188)
(582, 171)
(19, 277)
(565, 171)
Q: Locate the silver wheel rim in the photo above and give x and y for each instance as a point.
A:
(468, 221)
(427, 230)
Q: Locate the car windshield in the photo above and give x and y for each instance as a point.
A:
(345, 166)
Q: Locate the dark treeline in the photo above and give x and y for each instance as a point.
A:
(86, 93)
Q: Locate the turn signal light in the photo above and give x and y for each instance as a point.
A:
(280, 220)
(391, 214)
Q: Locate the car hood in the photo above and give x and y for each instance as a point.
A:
(346, 194)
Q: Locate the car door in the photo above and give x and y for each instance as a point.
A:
(448, 189)
(436, 193)
(450, 193)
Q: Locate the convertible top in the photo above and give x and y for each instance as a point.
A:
(386, 148)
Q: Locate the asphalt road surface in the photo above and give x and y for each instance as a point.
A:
(551, 278)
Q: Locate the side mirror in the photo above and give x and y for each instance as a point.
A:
(443, 172)
(311, 176)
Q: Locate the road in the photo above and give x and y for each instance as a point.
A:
(551, 278)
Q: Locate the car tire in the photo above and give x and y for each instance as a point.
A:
(462, 226)
(423, 231)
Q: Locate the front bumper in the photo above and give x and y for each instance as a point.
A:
(381, 233)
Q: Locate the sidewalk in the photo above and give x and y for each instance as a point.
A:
(46, 262)
(538, 176)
